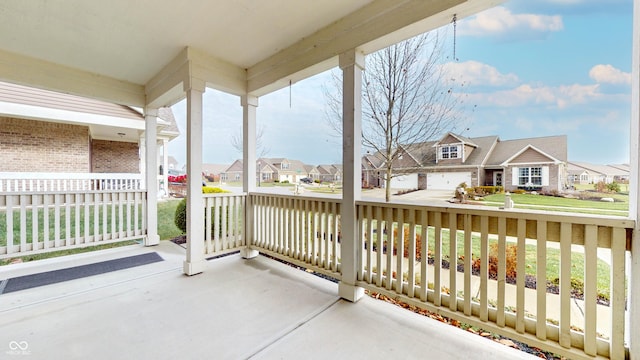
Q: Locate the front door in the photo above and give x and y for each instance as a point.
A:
(497, 178)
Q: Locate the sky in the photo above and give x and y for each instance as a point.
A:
(530, 69)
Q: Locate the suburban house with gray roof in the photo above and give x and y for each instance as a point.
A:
(271, 170)
(530, 163)
(588, 173)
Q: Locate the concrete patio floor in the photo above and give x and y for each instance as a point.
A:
(236, 309)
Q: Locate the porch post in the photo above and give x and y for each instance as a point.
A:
(151, 171)
(165, 166)
(352, 64)
(249, 105)
(195, 263)
(633, 263)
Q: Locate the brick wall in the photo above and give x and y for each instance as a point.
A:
(37, 146)
(114, 157)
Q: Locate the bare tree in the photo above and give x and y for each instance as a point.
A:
(407, 98)
(261, 149)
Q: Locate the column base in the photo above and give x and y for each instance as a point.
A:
(350, 292)
(152, 240)
(248, 253)
(193, 268)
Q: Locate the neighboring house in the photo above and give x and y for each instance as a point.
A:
(272, 169)
(46, 131)
(531, 163)
(212, 171)
(328, 173)
(594, 173)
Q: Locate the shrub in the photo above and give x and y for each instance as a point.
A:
(613, 187)
(600, 186)
(511, 261)
(180, 216)
(213, 190)
(284, 181)
(406, 243)
(487, 190)
(519, 191)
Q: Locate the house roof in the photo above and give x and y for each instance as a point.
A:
(554, 146)
(460, 138)
(214, 169)
(106, 121)
(600, 169)
(64, 46)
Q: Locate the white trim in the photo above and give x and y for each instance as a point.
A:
(66, 116)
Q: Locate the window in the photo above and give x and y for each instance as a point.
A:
(284, 166)
(449, 152)
(530, 176)
(237, 177)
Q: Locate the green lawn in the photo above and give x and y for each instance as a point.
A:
(167, 229)
(552, 259)
(619, 207)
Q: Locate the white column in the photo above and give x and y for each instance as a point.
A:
(165, 166)
(249, 105)
(151, 171)
(352, 64)
(633, 262)
(195, 262)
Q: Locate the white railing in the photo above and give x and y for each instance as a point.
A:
(35, 222)
(225, 231)
(302, 230)
(408, 253)
(50, 182)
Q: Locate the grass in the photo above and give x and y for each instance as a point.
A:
(54, 254)
(552, 259)
(167, 229)
(541, 202)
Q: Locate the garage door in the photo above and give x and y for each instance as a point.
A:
(408, 181)
(447, 181)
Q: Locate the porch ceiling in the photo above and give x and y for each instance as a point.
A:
(118, 50)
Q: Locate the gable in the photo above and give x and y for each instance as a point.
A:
(450, 139)
(530, 156)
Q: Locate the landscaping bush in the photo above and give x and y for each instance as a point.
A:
(180, 217)
(487, 190)
(613, 187)
(519, 191)
(511, 261)
(406, 243)
(600, 186)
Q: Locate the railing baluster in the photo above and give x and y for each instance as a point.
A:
(400, 252)
(467, 264)
(23, 222)
(453, 261)
(209, 203)
(390, 239)
(502, 270)
(56, 218)
(67, 219)
(35, 208)
(590, 288)
(369, 243)
(484, 268)
(520, 275)
(45, 220)
(437, 259)
(617, 295)
(87, 216)
(565, 285)
(379, 245)
(77, 202)
(411, 279)
(541, 281)
(424, 254)
(9, 220)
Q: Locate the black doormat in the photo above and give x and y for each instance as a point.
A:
(76, 272)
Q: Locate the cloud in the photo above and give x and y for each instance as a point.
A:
(607, 74)
(478, 74)
(500, 21)
(560, 97)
